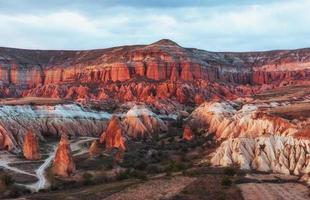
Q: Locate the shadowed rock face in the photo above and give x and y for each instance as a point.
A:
(60, 73)
(15, 122)
(31, 149)
(63, 164)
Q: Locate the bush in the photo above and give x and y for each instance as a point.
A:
(226, 181)
(139, 174)
(229, 171)
(87, 179)
(175, 167)
(123, 175)
(7, 180)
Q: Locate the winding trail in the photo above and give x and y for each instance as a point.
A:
(5, 164)
(40, 173)
(42, 182)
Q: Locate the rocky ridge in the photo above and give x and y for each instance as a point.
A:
(254, 139)
(72, 74)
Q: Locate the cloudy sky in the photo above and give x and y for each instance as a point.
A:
(215, 25)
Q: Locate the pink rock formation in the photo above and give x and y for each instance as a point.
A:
(141, 122)
(63, 164)
(31, 148)
(254, 138)
(187, 133)
(113, 137)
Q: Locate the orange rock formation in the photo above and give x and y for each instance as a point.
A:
(63, 164)
(31, 149)
(187, 133)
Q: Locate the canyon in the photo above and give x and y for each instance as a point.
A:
(140, 107)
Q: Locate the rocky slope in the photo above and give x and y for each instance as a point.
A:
(253, 138)
(15, 121)
(162, 67)
(141, 122)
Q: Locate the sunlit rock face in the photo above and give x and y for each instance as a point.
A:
(253, 139)
(15, 121)
(187, 134)
(140, 122)
(223, 120)
(6, 142)
(63, 164)
(60, 73)
(31, 150)
(113, 136)
(94, 149)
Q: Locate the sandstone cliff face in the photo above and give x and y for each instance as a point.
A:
(63, 164)
(160, 61)
(31, 148)
(140, 122)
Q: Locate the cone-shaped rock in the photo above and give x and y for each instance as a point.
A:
(63, 164)
(112, 137)
(141, 122)
(94, 149)
(31, 146)
(187, 133)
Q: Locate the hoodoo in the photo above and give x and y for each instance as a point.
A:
(63, 164)
(113, 136)
(31, 148)
(94, 149)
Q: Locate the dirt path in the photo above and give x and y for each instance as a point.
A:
(8, 159)
(271, 191)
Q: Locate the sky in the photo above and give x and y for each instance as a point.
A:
(214, 25)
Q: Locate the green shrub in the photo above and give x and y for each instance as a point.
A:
(229, 171)
(226, 181)
(123, 175)
(88, 179)
(7, 180)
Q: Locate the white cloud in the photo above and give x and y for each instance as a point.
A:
(283, 24)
